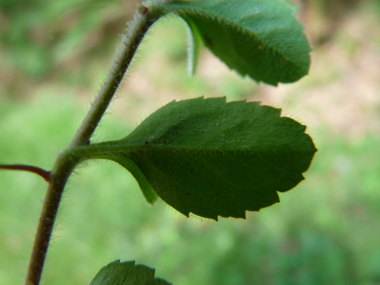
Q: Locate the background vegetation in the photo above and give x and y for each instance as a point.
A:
(54, 56)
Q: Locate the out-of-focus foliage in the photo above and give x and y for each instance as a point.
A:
(42, 36)
(325, 17)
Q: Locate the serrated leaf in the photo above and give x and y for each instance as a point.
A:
(259, 38)
(126, 273)
(214, 158)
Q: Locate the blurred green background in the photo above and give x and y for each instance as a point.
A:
(54, 56)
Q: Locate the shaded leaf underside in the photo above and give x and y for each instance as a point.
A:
(259, 38)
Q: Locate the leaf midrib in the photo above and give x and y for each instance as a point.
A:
(105, 150)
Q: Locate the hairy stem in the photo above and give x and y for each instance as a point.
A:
(65, 163)
(39, 171)
(58, 178)
(136, 31)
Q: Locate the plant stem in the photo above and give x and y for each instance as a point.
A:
(58, 178)
(136, 31)
(39, 171)
(65, 162)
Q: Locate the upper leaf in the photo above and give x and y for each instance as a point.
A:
(259, 38)
(126, 273)
(214, 158)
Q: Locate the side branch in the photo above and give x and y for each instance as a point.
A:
(34, 169)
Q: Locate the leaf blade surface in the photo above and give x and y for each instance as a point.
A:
(214, 158)
(126, 273)
(258, 38)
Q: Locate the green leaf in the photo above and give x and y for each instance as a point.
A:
(213, 158)
(126, 273)
(259, 38)
(194, 45)
(148, 192)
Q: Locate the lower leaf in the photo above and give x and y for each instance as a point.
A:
(126, 273)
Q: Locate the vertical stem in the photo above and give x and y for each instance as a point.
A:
(58, 178)
(136, 31)
(65, 163)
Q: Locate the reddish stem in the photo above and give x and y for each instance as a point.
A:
(39, 171)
